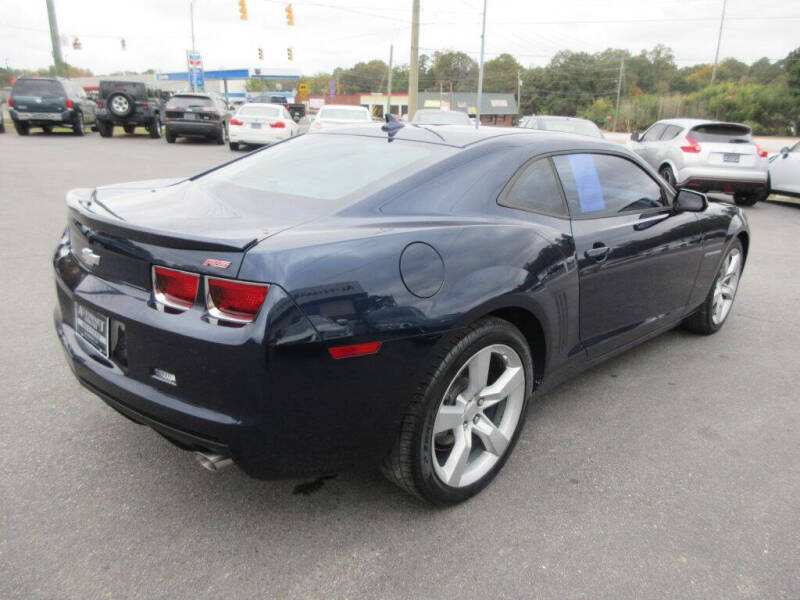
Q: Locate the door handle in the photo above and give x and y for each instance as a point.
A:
(598, 253)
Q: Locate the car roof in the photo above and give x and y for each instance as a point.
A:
(696, 122)
(462, 136)
(272, 104)
(562, 118)
(352, 106)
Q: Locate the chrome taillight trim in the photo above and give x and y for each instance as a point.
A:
(216, 314)
(161, 299)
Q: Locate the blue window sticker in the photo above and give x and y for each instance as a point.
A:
(590, 193)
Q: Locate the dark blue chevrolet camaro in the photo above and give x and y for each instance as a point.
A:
(356, 297)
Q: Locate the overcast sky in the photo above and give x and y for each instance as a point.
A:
(330, 33)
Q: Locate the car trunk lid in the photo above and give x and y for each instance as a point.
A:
(119, 232)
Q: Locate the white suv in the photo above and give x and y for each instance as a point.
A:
(707, 156)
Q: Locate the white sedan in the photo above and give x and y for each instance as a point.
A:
(784, 171)
(257, 123)
(336, 115)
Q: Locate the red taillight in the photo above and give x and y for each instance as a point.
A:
(176, 289)
(10, 103)
(278, 124)
(693, 146)
(288, 106)
(99, 103)
(235, 301)
(69, 103)
(761, 153)
(355, 350)
(143, 104)
(236, 121)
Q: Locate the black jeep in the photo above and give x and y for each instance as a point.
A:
(130, 104)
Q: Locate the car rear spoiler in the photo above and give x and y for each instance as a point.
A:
(82, 208)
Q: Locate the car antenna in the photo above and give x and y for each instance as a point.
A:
(392, 126)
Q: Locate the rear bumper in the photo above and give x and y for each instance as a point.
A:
(192, 128)
(268, 394)
(140, 117)
(247, 135)
(729, 180)
(45, 118)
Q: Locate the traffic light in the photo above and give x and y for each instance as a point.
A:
(76, 44)
(289, 53)
(243, 10)
(122, 43)
(289, 15)
(260, 54)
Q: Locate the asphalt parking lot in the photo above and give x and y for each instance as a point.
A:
(671, 471)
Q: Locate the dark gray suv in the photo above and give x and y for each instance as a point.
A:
(49, 102)
(129, 104)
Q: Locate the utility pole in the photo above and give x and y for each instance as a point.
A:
(480, 69)
(55, 40)
(619, 91)
(719, 41)
(194, 53)
(413, 74)
(389, 82)
(519, 90)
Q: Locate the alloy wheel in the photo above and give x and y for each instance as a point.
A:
(120, 105)
(478, 415)
(726, 286)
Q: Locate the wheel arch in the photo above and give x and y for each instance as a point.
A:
(527, 322)
(744, 238)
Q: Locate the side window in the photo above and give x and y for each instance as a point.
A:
(600, 185)
(536, 189)
(653, 133)
(670, 133)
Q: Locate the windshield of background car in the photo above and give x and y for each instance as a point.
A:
(189, 102)
(723, 133)
(44, 88)
(441, 117)
(328, 167)
(344, 114)
(565, 126)
(260, 111)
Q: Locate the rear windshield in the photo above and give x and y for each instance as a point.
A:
(189, 101)
(570, 126)
(45, 88)
(129, 87)
(441, 117)
(260, 111)
(345, 114)
(721, 133)
(328, 167)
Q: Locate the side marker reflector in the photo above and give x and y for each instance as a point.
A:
(355, 350)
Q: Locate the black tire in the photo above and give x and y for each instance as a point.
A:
(233, 145)
(668, 176)
(701, 320)
(170, 137)
(48, 129)
(2, 122)
(120, 104)
(22, 128)
(105, 128)
(154, 128)
(129, 129)
(745, 199)
(222, 134)
(409, 463)
(78, 126)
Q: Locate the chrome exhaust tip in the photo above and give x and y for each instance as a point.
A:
(213, 462)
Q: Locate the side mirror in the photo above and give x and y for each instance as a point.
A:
(785, 151)
(690, 201)
(635, 136)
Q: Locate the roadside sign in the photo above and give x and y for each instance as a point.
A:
(303, 88)
(332, 88)
(195, 65)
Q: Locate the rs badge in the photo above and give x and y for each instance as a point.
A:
(215, 262)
